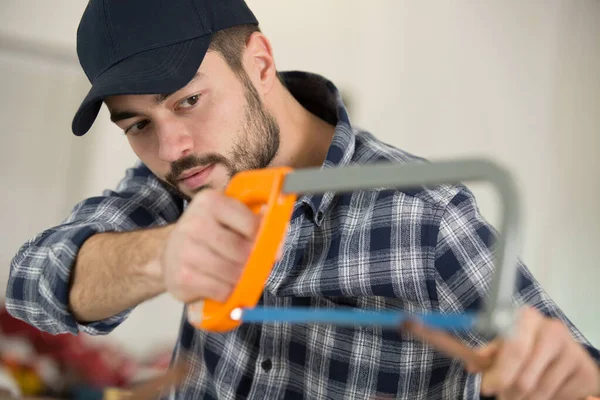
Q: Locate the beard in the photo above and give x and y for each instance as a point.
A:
(256, 145)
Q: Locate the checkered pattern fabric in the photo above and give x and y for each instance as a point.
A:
(426, 249)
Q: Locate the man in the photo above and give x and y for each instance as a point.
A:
(194, 86)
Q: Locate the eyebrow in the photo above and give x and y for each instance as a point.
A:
(159, 99)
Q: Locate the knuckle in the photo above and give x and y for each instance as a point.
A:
(188, 227)
(184, 275)
(242, 245)
(232, 244)
(225, 271)
(186, 251)
(221, 239)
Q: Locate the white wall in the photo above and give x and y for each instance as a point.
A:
(515, 81)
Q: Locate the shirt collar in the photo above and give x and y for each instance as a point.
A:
(322, 98)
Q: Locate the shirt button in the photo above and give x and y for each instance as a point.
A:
(267, 365)
(319, 216)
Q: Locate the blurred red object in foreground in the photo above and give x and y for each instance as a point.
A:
(76, 359)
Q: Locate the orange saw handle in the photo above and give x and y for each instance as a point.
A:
(254, 188)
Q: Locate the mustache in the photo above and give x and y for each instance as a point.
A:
(193, 161)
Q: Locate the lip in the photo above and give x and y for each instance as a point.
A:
(191, 172)
(195, 177)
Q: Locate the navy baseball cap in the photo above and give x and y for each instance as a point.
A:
(146, 46)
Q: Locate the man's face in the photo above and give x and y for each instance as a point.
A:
(204, 133)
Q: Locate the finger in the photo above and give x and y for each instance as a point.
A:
(215, 282)
(574, 387)
(227, 211)
(486, 353)
(513, 353)
(224, 243)
(223, 271)
(206, 289)
(585, 380)
(238, 217)
(548, 349)
(205, 264)
(446, 343)
(209, 288)
(555, 376)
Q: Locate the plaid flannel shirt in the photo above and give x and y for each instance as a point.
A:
(422, 250)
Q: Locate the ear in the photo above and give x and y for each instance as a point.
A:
(260, 63)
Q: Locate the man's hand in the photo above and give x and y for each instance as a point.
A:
(541, 360)
(208, 247)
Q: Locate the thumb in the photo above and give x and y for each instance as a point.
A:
(487, 353)
(446, 343)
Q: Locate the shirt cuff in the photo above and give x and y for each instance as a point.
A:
(54, 283)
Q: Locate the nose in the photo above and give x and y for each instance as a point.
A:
(174, 140)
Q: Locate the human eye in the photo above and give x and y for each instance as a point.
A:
(136, 128)
(189, 102)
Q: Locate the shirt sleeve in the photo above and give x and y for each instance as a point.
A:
(38, 285)
(464, 268)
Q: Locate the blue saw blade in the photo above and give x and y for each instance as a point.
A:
(355, 317)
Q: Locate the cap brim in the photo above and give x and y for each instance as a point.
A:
(157, 71)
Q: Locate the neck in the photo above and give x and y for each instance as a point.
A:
(305, 138)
